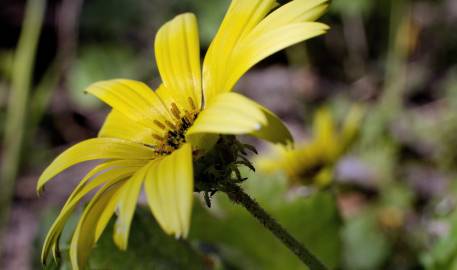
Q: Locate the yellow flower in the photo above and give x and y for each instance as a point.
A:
(151, 138)
(313, 161)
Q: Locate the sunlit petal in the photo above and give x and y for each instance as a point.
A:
(296, 11)
(110, 172)
(106, 214)
(126, 205)
(84, 235)
(274, 130)
(169, 187)
(240, 18)
(177, 51)
(117, 125)
(92, 149)
(133, 99)
(255, 48)
(229, 113)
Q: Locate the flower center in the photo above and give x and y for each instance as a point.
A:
(174, 132)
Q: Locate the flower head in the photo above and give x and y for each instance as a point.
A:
(151, 138)
(313, 161)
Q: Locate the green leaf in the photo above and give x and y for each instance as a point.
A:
(351, 7)
(365, 246)
(149, 248)
(243, 243)
(443, 255)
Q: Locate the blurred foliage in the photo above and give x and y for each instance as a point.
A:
(443, 254)
(351, 7)
(113, 19)
(97, 63)
(365, 246)
(6, 63)
(243, 243)
(149, 248)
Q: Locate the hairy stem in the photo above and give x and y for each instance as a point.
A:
(238, 196)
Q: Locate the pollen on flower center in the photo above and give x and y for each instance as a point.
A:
(174, 131)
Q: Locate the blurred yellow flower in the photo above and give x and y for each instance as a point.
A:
(151, 138)
(312, 162)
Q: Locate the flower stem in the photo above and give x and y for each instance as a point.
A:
(238, 196)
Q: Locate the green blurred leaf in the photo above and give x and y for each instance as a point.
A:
(365, 246)
(149, 248)
(210, 15)
(443, 255)
(6, 63)
(243, 243)
(113, 19)
(350, 7)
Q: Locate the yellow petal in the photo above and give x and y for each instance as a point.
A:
(240, 18)
(177, 51)
(117, 125)
(325, 134)
(351, 125)
(84, 235)
(107, 170)
(126, 205)
(324, 177)
(154, 197)
(92, 149)
(229, 113)
(110, 172)
(133, 99)
(296, 11)
(323, 124)
(274, 130)
(106, 214)
(254, 48)
(169, 188)
(167, 96)
(302, 161)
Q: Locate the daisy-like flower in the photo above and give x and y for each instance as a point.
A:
(150, 139)
(313, 161)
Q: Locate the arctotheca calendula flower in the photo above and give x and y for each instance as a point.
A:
(312, 161)
(150, 139)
